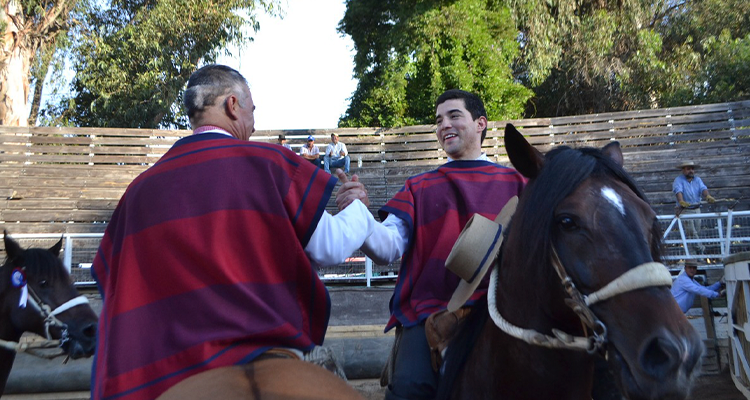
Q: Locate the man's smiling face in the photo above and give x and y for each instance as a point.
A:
(458, 133)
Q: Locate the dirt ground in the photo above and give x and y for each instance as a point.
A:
(706, 387)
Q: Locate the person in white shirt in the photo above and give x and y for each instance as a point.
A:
(336, 155)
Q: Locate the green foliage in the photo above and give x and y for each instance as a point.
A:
(599, 56)
(408, 53)
(134, 58)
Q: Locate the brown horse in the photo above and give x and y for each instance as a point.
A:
(583, 238)
(37, 295)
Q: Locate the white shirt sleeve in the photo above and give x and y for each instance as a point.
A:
(388, 241)
(343, 148)
(337, 237)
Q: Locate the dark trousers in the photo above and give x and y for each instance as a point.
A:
(413, 377)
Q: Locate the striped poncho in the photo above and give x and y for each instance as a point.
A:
(436, 206)
(203, 265)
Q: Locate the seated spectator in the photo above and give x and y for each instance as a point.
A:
(685, 288)
(310, 151)
(282, 142)
(336, 155)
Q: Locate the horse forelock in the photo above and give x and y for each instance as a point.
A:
(41, 262)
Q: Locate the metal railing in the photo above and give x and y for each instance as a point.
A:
(719, 233)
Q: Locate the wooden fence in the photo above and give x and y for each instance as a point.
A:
(69, 180)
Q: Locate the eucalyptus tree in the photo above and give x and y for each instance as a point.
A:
(31, 29)
(407, 53)
(133, 57)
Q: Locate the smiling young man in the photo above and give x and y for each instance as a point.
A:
(422, 222)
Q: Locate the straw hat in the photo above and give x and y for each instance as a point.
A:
(688, 164)
(475, 251)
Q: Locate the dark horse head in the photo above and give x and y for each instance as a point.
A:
(582, 209)
(53, 308)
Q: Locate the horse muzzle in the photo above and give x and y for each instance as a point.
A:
(79, 343)
(663, 368)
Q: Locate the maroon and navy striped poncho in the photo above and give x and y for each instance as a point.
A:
(436, 206)
(203, 265)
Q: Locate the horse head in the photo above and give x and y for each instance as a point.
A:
(581, 213)
(49, 304)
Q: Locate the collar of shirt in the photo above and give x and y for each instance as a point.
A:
(210, 129)
(482, 157)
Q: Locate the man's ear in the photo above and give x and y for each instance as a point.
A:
(230, 106)
(481, 124)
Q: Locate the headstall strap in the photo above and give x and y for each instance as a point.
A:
(576, 302)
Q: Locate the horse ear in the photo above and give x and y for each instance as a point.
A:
(12, 248)
(614, 152)
(56, 248)
(524, 157)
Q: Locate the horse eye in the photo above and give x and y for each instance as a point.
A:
(567, 223)
(43, 284)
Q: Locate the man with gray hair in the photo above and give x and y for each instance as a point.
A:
(210, 257)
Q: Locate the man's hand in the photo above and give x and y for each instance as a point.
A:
(710, 199)
(350, 190)
(684, 204)
(342, 153)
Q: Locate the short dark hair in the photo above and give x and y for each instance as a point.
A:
(209, 83)
(472, 102)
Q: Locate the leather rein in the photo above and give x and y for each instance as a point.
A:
(650, 274)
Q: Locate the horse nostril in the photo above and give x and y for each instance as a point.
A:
(89, 331)
(660, 358)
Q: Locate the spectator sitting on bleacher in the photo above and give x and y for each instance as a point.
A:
(336, 155)
(282, 142)
(310, 152)
(685, 288)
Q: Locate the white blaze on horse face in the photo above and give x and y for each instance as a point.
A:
(614, 199)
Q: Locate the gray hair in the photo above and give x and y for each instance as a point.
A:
(209, 83)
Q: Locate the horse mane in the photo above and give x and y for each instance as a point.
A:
(564, 170)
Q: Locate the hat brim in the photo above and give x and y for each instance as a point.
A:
(475, 249)
(477, 245)
(696, 166)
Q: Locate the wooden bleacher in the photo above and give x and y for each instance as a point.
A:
(69, 180)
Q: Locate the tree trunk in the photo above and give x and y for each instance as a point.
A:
(15, 62)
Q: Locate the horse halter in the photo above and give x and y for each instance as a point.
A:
(49, 315)
(649, 274)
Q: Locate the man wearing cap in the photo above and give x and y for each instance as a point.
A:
(689, 189)
(198, 269)
(282, 142)
(310, 152)
(685, 288)
(336, 155)
(422, 222)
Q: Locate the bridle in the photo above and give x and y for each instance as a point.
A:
(50, 321)
(649, 274)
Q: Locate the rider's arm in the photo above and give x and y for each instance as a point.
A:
(337, 236)
(388, 241)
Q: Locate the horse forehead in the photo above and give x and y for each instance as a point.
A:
(613, 194)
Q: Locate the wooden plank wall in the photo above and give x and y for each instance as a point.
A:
(57, 180)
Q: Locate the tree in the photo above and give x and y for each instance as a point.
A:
(134, 58)
(597, 55)
(31, 29)
(407, 54)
